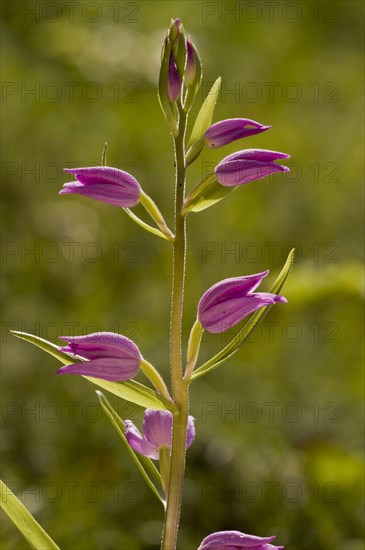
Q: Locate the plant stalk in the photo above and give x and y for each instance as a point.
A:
(179, 385)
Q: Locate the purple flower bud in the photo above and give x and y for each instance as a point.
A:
(226, 303)
(173, 81)
(192, 62)
(178, 45)
(175, 29)
(234, 540)
(109, 356)
(248, 165)
(157, 432)
(105, 184)
(229, 130)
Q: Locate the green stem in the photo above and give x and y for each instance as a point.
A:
(179, 385)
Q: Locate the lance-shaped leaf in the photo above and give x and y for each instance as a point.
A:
(245, 332)
(203, 122)
(34, 534)
(130, 391)
(145, 465)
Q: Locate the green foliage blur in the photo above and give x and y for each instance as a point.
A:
(279, 427)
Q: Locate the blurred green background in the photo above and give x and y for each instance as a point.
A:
(279, 427)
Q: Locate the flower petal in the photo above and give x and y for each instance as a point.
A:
(104, 174)
(190, 435)
(226, 131)
(115, 370)
(113, 195)
(227, 302)
(101, 344)
(234, 540)
(232, 287)
(157, 427)
(239, 172)
(261, 155)
(139, 443)
(173, 82)
(105, 184)
(225, 315)
(191, 63)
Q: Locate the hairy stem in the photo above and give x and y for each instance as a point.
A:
(179, 385)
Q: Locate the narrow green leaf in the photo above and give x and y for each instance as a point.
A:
(34, 534)
(242, 336)
(204, 119)
(152, 210)
(145, 225)
(142, 462)
(130, 391)
(135, 392)
(50, 348)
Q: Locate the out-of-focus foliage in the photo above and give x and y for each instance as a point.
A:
(280, 426)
